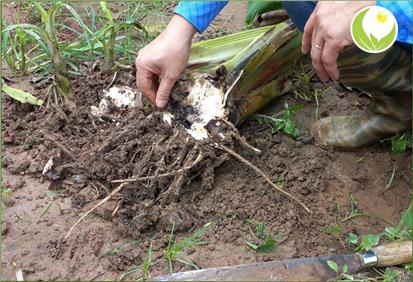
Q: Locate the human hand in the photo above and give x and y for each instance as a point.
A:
(327, 32)
(160, 63)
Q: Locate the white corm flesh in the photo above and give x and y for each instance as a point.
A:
(116, 98)
(208, 102)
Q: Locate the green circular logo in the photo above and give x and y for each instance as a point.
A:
(374, 29)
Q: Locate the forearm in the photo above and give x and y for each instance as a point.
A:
(181, 28)
(200, 13)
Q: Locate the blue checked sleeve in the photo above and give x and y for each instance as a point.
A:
(403, 12)
(200, 13)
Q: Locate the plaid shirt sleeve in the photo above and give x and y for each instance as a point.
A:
(200, 13)
(403, 12)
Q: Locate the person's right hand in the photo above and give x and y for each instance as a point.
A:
(160, 63)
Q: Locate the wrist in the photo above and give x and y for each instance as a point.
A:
(181, 28)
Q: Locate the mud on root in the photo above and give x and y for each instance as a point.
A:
(137, 144)
(157, 161)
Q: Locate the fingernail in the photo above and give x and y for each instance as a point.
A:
(161, 103)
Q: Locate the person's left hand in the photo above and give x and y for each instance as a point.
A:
(327, 32)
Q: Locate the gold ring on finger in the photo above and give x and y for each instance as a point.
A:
(317, 46)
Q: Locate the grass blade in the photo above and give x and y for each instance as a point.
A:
(45, 211)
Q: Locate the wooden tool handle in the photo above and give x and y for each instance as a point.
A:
(394, 253)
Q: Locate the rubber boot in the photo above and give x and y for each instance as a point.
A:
(257, 8)
(387, 77)
(270, 18)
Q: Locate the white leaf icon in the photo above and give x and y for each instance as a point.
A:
(378, 22)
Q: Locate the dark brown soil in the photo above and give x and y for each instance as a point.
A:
(218, 189)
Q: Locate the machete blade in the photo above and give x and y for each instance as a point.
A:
(305, 269)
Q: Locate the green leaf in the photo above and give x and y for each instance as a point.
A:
(368, 241)
(279, 125)
(398, 144)
(333, 229)
(45, 211)
(186, 261)
(407, 218)
(294, 108)
(391, 275)
(268, 246)
(392, 232)
(42, 11)
(345, 268)
(5, 39)
(352, 238)
(7, 192)
(252, 245)
(25, 26)
(260, 229)
(147, 263)
(409, 139)
(21, 96)
(291, 129)
(39, 40)
(333, 265)
(106, 10)
(78, 19)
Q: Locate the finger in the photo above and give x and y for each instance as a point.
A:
(164, 90)
(316, 55)
(330, 55)
(308, 33)
(145, 82)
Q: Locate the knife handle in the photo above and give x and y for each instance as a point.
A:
(394, 253)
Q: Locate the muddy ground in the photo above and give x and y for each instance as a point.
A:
(117, 236)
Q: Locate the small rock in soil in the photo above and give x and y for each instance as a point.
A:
(33, 168)
(84, 197)
(176, 215)
(29, 142)
(8, 140)
(9, 202)
(105, 211)
(7, 161)
(5, 228)
(52, 175)
(190, 251)
(79, 181)
(19, 166)
(20, 184)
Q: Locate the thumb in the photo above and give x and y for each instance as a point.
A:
(164, 91)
